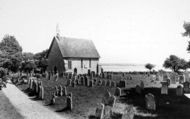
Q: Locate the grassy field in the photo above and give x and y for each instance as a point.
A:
(86, 99)
(7, 111)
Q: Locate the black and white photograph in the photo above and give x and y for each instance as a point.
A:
(94, 59)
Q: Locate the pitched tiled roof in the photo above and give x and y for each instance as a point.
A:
(77, 48)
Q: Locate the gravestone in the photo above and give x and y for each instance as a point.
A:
(31, 84)
(122, 84)
(52, 101)
(41, 94)
(56, 91)
(129, 113)
(113, 84)
(142, 85)
(103, 82)
(65, 91)
(99, 114)
(117, 91)
(138, 89)
(90, 83)
(100, 82)
(60, 91)
(186, 76)
(186, 87)
(86, 80)
(69, 102)
(112, 101)
(179, 90)
(105, 99)
(181, 79)
(173, 78)
(164, 88)
(150, 101)
(108, 83)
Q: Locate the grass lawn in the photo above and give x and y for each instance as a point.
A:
(7, 111)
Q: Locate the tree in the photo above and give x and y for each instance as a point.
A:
(41, 55)
(149, 66)
(41, 61)
(27, 56)
(186, 26)
(175, 63)
(11, 53)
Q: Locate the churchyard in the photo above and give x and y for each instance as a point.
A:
(112, 95)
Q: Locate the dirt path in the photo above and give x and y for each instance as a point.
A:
(26, 107)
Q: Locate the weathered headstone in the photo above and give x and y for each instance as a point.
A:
(129, 113)
(52, 101)
(112, 101)
(41, 94)
(181, 79)
(117, 91)
(100, 112)
(179, 90)
(65, 91)
(138, 89)
(122, 84)
(60, 91)
(173, 78)
(56, 91)
(164, 88)
(150, 101)
(106, 97)
(103, 82)
(142, 85)
(108, 83)
(186, 87)
(69, 103)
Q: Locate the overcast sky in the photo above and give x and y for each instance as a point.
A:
(124, 31)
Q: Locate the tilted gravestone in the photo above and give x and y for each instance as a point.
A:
(164, 88)
(150, 101)
(106, 97)
(99, 114)
(179, 90)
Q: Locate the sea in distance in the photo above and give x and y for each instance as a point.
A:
(126, 67)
